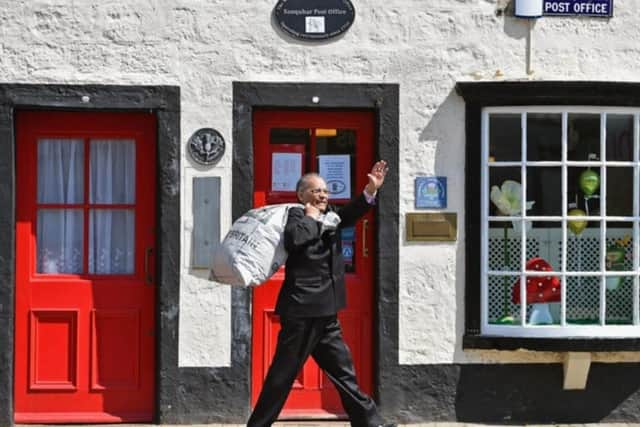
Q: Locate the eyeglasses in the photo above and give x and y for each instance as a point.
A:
(316, 191)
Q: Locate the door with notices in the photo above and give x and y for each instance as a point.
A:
(339, 146)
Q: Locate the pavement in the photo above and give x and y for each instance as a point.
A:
(433, 424)
(345, 424)
(443, 424)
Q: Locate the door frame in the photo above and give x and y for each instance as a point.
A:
(383, 100)
(164, 101)
(312, 402)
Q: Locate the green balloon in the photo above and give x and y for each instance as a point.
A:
(577, 226)
(589, 182)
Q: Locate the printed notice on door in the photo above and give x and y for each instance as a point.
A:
(286, 169)
(336, 171)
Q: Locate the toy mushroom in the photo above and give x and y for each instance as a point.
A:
(541, 290)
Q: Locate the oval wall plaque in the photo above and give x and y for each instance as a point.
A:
(314, 19)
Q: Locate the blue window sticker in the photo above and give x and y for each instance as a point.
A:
(431, 192)
(348, 235)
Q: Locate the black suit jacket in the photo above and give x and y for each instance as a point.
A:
(314, 271)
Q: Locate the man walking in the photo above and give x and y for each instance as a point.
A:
(312, 294)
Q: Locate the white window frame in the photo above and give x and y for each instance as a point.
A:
(562, 330)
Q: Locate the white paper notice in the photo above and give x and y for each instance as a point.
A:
(336, 171)
(286, 169)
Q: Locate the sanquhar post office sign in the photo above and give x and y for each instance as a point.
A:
(602, 8)
(314, 19)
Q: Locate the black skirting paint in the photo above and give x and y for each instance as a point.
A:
(514, 394)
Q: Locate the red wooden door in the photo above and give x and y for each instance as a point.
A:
(85, 296)
(338, 145)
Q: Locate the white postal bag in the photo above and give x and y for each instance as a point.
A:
(253, 250)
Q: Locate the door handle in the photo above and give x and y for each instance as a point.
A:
(148, 277)
(365, 227)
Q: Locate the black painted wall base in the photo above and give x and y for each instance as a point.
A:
(513, 394)
(472, 393)
(212, 395)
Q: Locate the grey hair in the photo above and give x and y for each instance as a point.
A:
(303, 182)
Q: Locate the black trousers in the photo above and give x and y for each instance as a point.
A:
(320, 337)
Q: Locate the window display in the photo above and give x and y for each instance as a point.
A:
(561, 210)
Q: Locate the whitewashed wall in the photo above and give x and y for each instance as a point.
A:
(425, 46)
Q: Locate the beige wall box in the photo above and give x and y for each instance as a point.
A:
(432, 227)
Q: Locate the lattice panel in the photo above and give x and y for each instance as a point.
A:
(583, 294)
(496, 262)
(583, 254)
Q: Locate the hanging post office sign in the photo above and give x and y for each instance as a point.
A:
(600, 8)
(314, 19)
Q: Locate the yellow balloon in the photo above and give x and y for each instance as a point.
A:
(577, 226)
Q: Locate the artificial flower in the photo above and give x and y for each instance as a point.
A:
(508, 198)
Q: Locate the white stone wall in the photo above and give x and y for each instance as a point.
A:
(425, 46)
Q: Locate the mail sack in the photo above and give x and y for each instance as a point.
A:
(253, 250)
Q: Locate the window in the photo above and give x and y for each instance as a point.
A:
(327, 151)
(559, 221)
(63, 215)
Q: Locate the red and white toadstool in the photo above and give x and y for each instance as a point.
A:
(541, 290)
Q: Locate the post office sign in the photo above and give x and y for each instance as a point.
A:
(314, 19)
(601, 8)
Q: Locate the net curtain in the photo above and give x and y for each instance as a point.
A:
(60, 231)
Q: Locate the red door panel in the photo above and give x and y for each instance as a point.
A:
(53, 350)
(85, 297)
(309, 135)
(115, 349)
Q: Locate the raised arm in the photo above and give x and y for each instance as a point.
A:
(376, 177)
(359, 206)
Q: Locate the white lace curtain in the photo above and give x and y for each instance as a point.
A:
(61, 230)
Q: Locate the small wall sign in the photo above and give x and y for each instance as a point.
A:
(314, 19)
(431, 192)
(206, 146)
(602, 8)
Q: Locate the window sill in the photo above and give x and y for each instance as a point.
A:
(488, 342)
